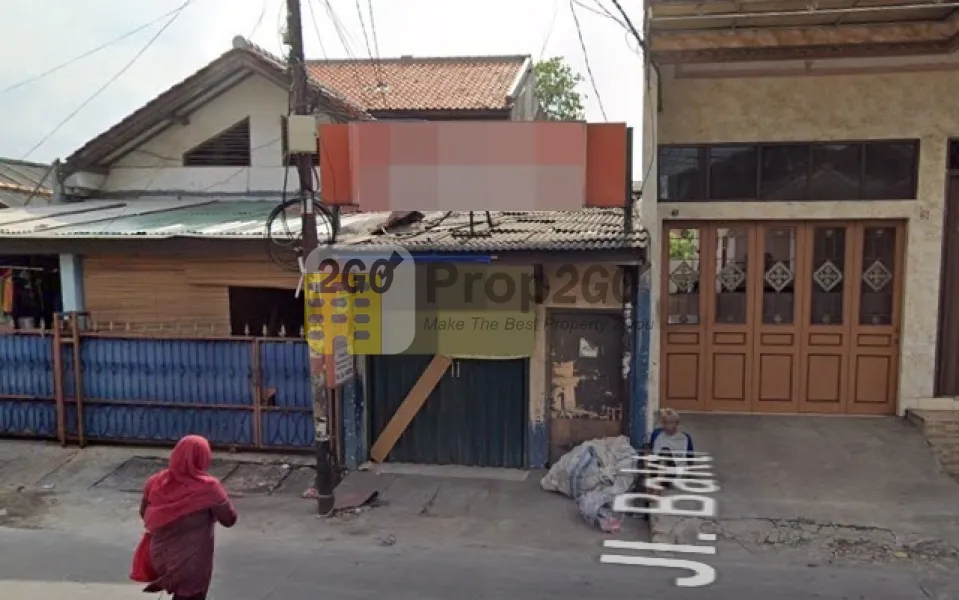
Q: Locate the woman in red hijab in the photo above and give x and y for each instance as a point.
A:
(180, 507)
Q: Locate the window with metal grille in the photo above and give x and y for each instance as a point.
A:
(229, 148)
(290, 159)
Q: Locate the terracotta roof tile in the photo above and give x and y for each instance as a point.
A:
(413, 83)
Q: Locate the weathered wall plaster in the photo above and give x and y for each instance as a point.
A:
(599, 293)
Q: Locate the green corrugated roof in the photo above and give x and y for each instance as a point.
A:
(223, 218)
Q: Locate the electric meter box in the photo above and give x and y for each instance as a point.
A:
(301, 134)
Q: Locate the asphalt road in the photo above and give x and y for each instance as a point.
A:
(44, 565)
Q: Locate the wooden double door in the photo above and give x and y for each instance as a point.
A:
(776, 317)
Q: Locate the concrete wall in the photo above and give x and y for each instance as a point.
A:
(844, 106)
(157, 165)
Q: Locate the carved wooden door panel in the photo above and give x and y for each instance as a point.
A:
(827, 312)
(876, 318)
(683, 334)
(728, 284)
(778, 317)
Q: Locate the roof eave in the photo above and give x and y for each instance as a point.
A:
(521, 76)
(195, 91)
(443, 113)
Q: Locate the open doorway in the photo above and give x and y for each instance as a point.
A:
(947, 348)
(29, 291)
(269, 312)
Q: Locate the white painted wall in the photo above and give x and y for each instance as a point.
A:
(157, 165)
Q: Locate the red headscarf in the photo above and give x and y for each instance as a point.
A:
(177, 491)
(184, 487)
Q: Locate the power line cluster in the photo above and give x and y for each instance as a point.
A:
(621, 18)
(111, 80)
(596, 7)
(170, 17)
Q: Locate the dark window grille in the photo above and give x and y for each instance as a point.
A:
(794, 171)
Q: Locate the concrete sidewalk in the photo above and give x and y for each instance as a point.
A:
(96, 491)
(830, 488)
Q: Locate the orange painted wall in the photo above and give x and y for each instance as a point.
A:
(336, 169)
(606, 185)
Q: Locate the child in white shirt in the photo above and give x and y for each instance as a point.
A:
(667, 439)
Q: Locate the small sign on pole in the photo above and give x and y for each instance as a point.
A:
(340, 367)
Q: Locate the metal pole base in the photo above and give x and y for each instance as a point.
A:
(325, 499)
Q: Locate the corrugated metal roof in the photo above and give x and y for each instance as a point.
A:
(583, 230)
(91, 216)
(199, 219)
(20, 179)
(160, 219)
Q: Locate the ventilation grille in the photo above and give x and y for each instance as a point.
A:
(229, 148)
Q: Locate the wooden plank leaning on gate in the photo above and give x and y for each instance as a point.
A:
(411, 405)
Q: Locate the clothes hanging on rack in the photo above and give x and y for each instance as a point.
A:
(6, 296)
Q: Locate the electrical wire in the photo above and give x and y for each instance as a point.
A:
(259, 21)
(376, 41)
(589, 68)
(380, 84)
(294, 242)
(366, 37)
(345, 40)
(88, 53)
(602, 11)
(549, 31)
(629, 25)
(316, 28)
(110, 81)
(650, 102)
(281, 26)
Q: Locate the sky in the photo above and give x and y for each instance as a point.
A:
(41, 34)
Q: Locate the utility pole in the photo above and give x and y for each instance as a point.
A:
(305, 169)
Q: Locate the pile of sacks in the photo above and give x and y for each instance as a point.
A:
(592, 474)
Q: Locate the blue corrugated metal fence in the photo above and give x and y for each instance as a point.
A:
(28, 405)
(239, 392)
